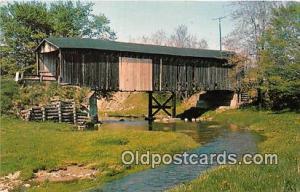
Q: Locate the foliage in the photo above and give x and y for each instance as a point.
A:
(251, 20)
(280, 132)
(281, 40)
(30, 146)
(8, 65)
(279, 64)
(179, 38)
(15, 98)
(9, 92)
(41, 93)
(25, 24)
(273, 75)
(282, 87)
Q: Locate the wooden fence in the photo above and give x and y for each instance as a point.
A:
(58, 111)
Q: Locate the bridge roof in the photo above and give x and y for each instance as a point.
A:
(85, 43)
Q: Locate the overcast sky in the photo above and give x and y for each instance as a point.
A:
(134, 19)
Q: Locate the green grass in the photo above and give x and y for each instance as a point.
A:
(281, 136)
(30, 146)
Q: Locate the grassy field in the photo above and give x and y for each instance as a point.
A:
(281, 133)
(30, 146)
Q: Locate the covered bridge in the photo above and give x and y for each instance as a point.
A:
(115, 66)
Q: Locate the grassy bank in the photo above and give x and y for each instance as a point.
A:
(136, 104)
(30, 146)
(281, 133)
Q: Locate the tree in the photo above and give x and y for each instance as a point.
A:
(25, 24)
(279, 64)
(281, 40)
(180, 38)
(22, 25)
(251, 20)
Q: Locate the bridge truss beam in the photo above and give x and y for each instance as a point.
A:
(169, 103)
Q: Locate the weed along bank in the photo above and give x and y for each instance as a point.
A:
(107, 66)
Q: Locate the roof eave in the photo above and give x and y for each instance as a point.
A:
(45, 40)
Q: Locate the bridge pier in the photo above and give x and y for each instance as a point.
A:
(93, 109)
(153, 103)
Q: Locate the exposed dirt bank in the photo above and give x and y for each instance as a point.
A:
(69, 173)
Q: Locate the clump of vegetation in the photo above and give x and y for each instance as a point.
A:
(9, 93)
(41, 93)
(15, 97)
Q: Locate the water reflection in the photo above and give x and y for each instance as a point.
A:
(201, 132)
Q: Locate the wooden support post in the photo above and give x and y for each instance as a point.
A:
(37, 63)
(93, 110)
(74, 113)
(174, 104)
(150, 114)
(160, 74)
(43, 114)
(158, 106)
(59, 111)
(58, 75)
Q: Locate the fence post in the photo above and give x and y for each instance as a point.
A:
(43, 114)
(74, 112)
(59, 111)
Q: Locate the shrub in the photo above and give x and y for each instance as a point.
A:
(9, 93)
(41, 93)
(282, 85)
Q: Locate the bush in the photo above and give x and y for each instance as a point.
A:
(282, 86)
(9, 93)
(41, 93)
(15, 97)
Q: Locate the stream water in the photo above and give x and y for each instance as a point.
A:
(213, 137)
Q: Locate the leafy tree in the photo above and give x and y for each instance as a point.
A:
(281, 40)
(280, 60)
(25, 24)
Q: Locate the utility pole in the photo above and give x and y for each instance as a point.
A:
(220, 29)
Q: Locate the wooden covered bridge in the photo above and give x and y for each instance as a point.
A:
(106, 65)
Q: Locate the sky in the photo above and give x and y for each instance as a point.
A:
(133, 19)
